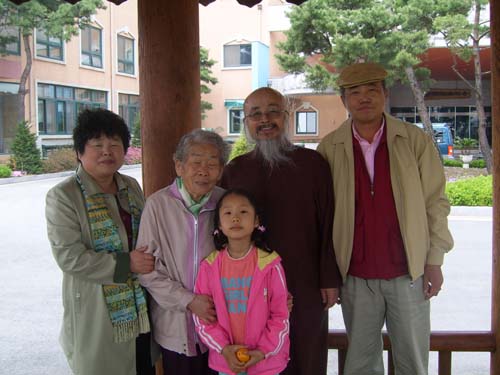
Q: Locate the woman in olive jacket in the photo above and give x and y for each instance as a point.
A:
(92, 220)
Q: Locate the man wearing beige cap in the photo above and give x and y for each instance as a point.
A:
(390, 230)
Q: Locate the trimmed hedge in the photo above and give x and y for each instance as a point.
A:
(5, 171)
(478, 163)
(475, 191)
(59, 160)
(452, 163)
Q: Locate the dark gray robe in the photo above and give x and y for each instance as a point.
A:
(298, 211)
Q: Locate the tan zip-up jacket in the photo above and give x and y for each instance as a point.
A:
(418, 185)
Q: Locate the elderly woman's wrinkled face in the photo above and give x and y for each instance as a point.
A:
(200, 170)
(102, 156)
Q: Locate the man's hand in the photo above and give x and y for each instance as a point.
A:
(140, 262)
(329, 297)
(229, 354)
(433, 280)
(203, 307)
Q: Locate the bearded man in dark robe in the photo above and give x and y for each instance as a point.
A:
(294, 186)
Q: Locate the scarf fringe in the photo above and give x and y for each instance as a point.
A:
(124, 332)
(127, 331)
(144, 326)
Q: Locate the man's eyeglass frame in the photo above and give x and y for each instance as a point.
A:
(258, 115)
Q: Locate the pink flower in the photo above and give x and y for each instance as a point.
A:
(133, 156)
(18, 173)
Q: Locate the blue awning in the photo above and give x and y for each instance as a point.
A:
(230, 103)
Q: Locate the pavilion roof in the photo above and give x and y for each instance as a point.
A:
(249, 3)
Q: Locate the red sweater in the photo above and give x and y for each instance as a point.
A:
(378, 249)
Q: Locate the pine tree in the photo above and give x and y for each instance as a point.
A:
(206, 78)
(25, 155)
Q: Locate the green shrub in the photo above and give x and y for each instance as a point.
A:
(136, 132)
(5, 171)
(25, 155)
(240, 147)
(452, 163)
(478, 163)
(59, 160)
(475, 191)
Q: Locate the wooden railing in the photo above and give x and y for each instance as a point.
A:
(443, 342)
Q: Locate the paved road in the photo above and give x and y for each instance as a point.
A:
(30, 288)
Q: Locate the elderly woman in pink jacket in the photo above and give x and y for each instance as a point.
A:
(176, 226)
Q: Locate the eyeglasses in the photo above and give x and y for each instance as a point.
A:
(271, 115)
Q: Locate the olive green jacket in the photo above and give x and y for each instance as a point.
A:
(86, 334)
(418, 185)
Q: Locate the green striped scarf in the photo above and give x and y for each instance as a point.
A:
(126, 303)
(193, 206)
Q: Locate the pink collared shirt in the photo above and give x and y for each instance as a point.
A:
(369, 149)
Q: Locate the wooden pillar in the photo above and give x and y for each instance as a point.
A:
(495, 111)
(169, 67)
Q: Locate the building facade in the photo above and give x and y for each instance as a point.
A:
(243, 42)
(99, 68)
(227, 28)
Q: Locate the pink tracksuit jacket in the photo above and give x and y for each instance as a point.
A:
(267, 325)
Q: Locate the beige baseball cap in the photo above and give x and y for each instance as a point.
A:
(360, 74)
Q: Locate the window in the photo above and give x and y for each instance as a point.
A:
(128, 108)
(91, 38)
(125, 55)
(12, 35)
(8, 115)
(238, 55)
(59, 106)
(461, 120)
(49, 47)
(236, 116)
(306, 122)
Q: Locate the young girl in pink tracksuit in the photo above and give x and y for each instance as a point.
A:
(247, 284)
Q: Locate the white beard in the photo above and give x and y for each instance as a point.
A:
(273, 151)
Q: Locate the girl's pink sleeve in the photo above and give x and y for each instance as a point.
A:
(275, 336)
(213, 335)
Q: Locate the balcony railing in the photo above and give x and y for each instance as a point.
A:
(443, 342)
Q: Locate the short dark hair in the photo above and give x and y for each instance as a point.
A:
(92, 123)
(258, 236)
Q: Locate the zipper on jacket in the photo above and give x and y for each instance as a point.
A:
(195, 264)
(195, 250)
(402, 228)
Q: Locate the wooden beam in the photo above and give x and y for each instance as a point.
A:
(169, 66)
(454, 341)
(495, 114)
